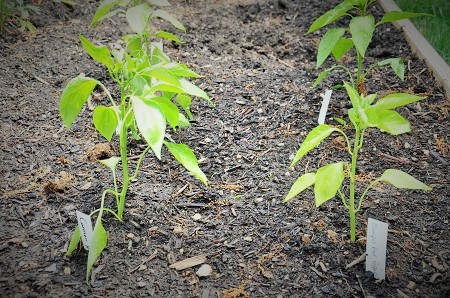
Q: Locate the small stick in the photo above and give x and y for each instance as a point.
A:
(317, 272)
(360, 285)
(357, 261)
(396, 158)
(151, 257)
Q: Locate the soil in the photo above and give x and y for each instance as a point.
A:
(258, 67)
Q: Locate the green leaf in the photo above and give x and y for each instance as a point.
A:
(328, 181)
(163, 75)
(187, 158)
(397, 66)
(168, 36)
(183, 122)
(361, 29)
(105, 121)
(151, 123)
(355, 98)
(399, 15)
(111, 162)
(330, 16)
(164, 15)
(191, 89)
(313, 139)
(138, 17)
(169, 109)
(322, 76)
(401, 179)
(342, 47)
(185, 102)
(391, 122)
(74, 241)
(327, 43)
(395, 100)
(102, 11)
(74, 96)
(302, 183)
(98, 244)
(180, 70)
(98, 53)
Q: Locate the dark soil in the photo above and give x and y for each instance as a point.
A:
(258, 67)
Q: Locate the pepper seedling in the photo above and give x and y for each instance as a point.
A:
(328, 180)
(153, 91)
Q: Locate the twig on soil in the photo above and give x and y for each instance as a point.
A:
(317, 272)
(402, 160)
(360, 285)
(151, 257)
(356, 261)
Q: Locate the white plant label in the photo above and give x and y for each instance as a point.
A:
(377, 232)
(324, 108)
(86, 231)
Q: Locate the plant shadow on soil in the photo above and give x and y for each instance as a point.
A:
(258, 67)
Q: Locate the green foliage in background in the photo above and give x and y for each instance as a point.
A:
(436, 28)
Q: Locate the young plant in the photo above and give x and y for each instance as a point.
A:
(328, 180)
(153, 92)
(339, 41)
(19, 11)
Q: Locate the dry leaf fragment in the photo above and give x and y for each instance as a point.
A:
(189, 262)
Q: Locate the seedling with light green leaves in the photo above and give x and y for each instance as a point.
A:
(339, 41)
(366, 112)
(153, 91)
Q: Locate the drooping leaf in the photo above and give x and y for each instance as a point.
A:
(327, 44)
(392, 122)
(328, 181)
(185, 102)
(401, 179)
(399, 15)
(164, 15)
(180, 70)
(330, 16)
(98, 53)
(111, 162)
(138, 16)
(361, 29)
(342, 47)
(397, 65)
(167, 35)
(355, 98)
(191, 89)
(74, 96)
(395, 100)
(169, 109)
(183, 122)
(162, 74)
(312, 140)
(322, 76)
(105, 121)
(102, 11)
(98, 244)
(187, 158)
(74, 241)
(151, 123)
(302, 183)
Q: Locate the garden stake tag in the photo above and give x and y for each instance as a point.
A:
(376, 247)
(86, 231)
(323, 109)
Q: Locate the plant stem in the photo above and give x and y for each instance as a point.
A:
(351, 210)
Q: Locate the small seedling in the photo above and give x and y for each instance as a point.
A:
(154, 92)
(328, 180)
(339, 41)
